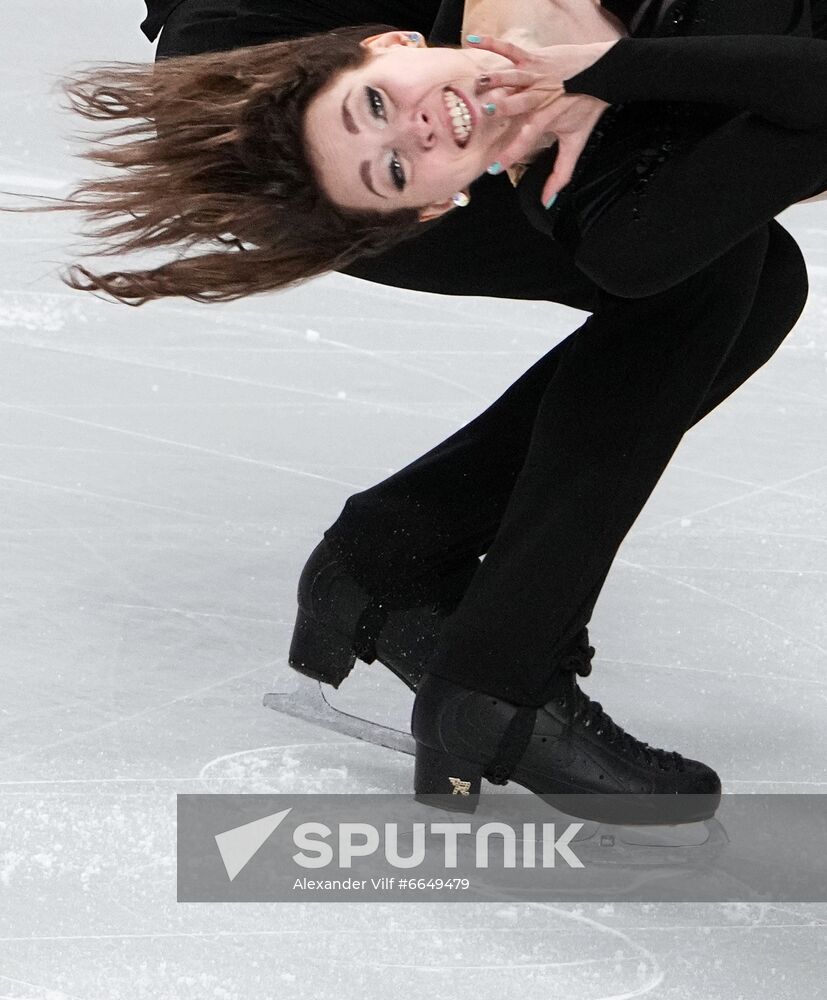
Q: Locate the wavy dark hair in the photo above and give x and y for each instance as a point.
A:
(215, 160)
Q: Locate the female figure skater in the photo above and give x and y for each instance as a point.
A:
(579, 442)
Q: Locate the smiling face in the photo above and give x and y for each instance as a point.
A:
(404, 130)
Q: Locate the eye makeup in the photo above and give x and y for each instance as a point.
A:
(376, 107)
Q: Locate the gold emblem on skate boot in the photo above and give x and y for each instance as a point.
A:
(460, 787)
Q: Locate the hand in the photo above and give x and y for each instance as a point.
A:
(536, 86)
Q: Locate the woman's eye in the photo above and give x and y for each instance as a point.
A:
(397, 173)
(376, 104)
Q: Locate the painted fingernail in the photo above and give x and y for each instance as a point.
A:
(550, 202)
(489, 109)
(414, 36)
(473, 39)
(495, 168)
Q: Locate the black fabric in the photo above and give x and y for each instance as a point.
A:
(781, 78)
(369, 625)
(252, 22)
(157, 13)
(511, 747)
(632, 12)
(447, 28)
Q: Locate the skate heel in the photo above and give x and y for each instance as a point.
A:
(446, 781)
(319, 652)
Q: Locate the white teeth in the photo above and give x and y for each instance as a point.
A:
(460, 116)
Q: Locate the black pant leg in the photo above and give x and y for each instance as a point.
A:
(779, 301)
(616, 408)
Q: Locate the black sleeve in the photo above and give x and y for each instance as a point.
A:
(780, 78)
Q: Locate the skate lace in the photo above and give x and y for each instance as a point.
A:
(577, 661)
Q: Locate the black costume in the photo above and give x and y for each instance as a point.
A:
(549, 479)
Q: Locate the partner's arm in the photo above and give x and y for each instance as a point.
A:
(783, 79)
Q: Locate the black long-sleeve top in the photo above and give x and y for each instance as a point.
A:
(781, 79)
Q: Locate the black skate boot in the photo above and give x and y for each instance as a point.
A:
(339, 621)
(569, 752)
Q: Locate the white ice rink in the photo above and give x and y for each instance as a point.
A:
(165, 471)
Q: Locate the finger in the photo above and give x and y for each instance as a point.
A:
(499, 45)
(515, 78)
(568, 153)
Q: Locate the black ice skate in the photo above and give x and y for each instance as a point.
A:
(569, 752)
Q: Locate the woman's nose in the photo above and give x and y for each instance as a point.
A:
(420, 130)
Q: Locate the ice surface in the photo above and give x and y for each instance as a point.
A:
(165, 473)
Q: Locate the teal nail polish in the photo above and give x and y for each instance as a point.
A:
(551, 201)
(489, 109)
(473, 39)
(495, 168)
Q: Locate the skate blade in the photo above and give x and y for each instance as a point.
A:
(307, 701)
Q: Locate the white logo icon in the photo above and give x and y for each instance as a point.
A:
(237, 846)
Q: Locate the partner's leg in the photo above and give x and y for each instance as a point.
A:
(630, 385)
(781, 296)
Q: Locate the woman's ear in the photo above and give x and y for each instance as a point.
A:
(434, 211)
(389, 39)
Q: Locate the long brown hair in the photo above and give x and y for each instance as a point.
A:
(215, 158)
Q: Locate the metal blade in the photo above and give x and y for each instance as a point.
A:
(307, 701)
